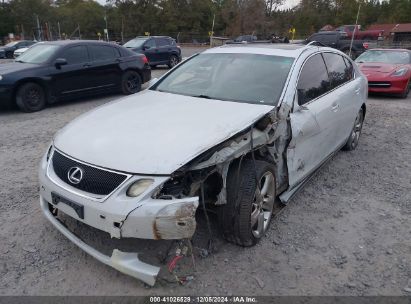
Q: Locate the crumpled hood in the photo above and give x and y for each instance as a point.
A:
(369, 68)
(154, 132)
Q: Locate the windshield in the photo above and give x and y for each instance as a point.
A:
(38, 53)
(135, 43)
(392, 57)
(13, 43)
(248, 78)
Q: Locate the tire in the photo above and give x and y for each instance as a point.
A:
(30, 97)
(9, 55)
(406, 91)
(130, 83)
(173, 61)
(243, 206)
(355, 134)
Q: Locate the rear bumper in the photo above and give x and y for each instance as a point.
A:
(146, 71)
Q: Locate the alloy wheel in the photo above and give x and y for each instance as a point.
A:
(262, 206)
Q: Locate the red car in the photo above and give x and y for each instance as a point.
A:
(387, 70)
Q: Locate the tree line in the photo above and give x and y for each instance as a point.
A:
(188, 19)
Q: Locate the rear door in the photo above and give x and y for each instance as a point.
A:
(346, 93)
(105, 70)
(76, 76)
(164, 49)
(312, 121)
(151, 51)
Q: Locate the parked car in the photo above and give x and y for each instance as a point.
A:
(359, 34)
(18, 52)
(7, 51)
(232, 128)
(52, 71)
(158, 49)
(339, 41)
(387, 70)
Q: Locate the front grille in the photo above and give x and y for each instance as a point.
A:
(379, 84)
(94, 180)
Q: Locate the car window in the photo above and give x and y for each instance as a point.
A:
(150, 44)
(38, 53)
(135, 43)
(350, 69)
(337, 69)
(76, 54)
(313, 81)
(103, 52)
(248, 78)
(163, 42)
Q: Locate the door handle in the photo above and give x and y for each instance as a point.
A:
(335, 107)
(357, 91)
(86, 65)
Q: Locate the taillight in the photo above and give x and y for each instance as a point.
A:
(145, 60)
(366, 45)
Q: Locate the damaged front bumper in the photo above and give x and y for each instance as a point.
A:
(120, 216)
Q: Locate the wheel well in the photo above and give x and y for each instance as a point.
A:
(24, 81)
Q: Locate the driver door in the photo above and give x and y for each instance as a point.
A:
(76, 76)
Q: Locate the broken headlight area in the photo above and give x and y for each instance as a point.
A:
(189, 185)
(139, 187)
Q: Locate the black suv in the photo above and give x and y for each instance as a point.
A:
(158, 49)
(339, 41)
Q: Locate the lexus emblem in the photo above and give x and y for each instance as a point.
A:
(75, 175)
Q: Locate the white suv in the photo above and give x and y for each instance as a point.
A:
(235, 127)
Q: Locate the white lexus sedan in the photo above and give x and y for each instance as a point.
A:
(235, 128)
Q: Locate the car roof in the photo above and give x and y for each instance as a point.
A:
(147, 37)
(274, 49)
(68, 42)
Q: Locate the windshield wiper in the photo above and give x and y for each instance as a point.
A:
(203, 96)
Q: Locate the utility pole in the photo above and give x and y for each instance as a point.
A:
(355, 29)
(38, 28)
(106, 29)
(212, 31)
(79, 33)
(122, 29)
(58, 25)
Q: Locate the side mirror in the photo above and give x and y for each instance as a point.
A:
(59, 62)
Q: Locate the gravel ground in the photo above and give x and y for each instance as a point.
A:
(348, 232)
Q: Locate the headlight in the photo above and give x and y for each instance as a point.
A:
(139, 187)
(1, 77)
(400, 72)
